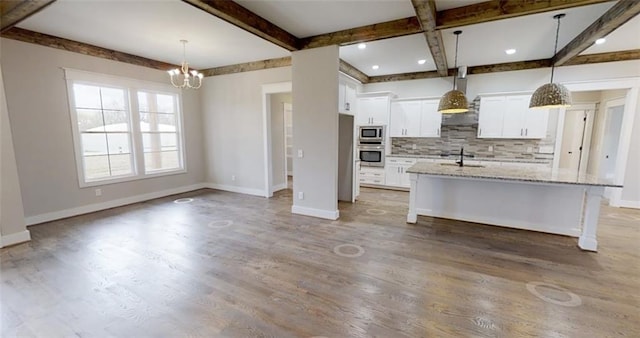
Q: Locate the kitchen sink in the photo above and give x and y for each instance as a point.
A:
(466, 165)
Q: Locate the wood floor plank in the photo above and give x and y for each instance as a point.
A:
(234, 265)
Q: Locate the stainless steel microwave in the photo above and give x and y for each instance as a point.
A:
(371, 134)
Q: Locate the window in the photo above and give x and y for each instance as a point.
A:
(124, 129)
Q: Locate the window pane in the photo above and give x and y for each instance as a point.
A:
(86, 96)
(116, 120)
(89, 120)
(96, 167)
(156, 103)
(94, 144)
(113, 98)
(120, 164)
(161, 161)
(119, 143)
(157, 122)
(166, 103)
(153, 142)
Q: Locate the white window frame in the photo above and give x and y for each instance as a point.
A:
(132, 86)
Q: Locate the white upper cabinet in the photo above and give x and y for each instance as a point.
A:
(509, 116)
(373, 110)
(346, 98)
(491, 116)
(431, 119)
(415, 118)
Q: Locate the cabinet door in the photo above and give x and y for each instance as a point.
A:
(491, 116)
(392, 174)
(405, 119)
(431, 119)
(513, 121)
(350, 98)
(536, 122)
(405, 179)
(365, 106)
(379, 110)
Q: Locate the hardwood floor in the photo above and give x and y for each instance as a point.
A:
(234, 265)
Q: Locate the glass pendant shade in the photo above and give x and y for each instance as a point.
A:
(551, 95)
(453, 102)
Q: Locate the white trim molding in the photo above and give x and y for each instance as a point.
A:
(629, 204)
(236, 189)
(268, 89)
(326, 214)
(16, 238)
(85, 209)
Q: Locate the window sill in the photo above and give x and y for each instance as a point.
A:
(124, 179)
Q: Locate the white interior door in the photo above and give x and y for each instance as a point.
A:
(610, 142)
(572, 135)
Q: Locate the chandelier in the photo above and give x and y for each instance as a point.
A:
(184, 73)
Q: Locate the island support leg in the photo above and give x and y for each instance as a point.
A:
(412, 217)
(588, 240)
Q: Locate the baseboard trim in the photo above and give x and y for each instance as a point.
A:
(573, 232)
(629, 204)
(279, 187)
(326, 214)
(18, 237)
(85, 209)
(240, 190)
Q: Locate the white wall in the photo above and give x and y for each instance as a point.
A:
(40, 122)
(315, 131)
(233, 128)
(12, 224)
(630, 196)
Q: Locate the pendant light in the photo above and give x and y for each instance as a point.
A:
(552, 95)
(454, 101)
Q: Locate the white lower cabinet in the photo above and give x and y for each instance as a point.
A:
(372, 175)
(396, 171)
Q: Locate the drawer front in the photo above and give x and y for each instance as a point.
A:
(378, 181)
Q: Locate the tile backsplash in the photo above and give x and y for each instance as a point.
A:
(455, 136)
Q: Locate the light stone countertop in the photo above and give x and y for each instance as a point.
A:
(559, 176)
(455, 158)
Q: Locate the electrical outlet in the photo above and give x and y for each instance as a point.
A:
(98, 192)
(233, 177)
(529, 149)
(300, 153)
(490, 148)
(300, 195)
(414, 147)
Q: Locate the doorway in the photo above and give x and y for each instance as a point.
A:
(614, 111)
(281, 138)
(274, 131)
(573, 139)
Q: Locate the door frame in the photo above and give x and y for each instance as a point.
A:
(268, 89)
(632, 85)
(590, 108)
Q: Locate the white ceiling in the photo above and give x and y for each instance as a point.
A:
(304, 18)
(624, 38)
(394, 56)
(532, 36)
(153, 28)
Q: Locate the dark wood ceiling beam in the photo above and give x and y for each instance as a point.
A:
(426, 13)
(503, 9)
(378, 31)
(604, 57)
(24, 35)
(243, 18)
(354, 72)
(509, 66)
(615, 17)
(404, 76)
(248, 66)
(13, 12)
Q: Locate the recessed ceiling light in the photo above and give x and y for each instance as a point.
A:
(421, 62)
(601, 41)
(375, 67)
(510, 51)
(362, 45)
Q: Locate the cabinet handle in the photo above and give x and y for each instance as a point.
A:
(526, 131)
(438, 132)
(480, 132)
(520, 131)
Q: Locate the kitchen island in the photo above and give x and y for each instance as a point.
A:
(545, 200)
